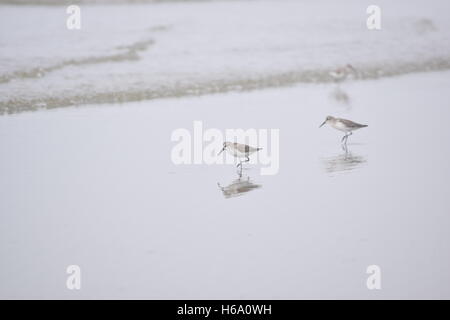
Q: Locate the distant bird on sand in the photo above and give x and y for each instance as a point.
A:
(341, 73)
(240, 151)
(343, 125)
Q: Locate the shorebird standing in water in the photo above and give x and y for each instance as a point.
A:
(340, 74)
(343, 125)
(240, 151)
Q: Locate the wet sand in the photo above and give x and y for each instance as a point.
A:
(142, 50)
(95, 186)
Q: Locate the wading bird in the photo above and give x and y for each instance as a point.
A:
(239, 151)
(343, 125)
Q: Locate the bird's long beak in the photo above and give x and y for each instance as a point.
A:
(221, 151)
(323, 124)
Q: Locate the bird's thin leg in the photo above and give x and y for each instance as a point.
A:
(239, 164)
(345, 149)
(247, 159)
(345, 138)
(349, 134)
(239, 171)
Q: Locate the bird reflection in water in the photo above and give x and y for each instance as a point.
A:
(238, 187)
(340, 96)
(344, 162)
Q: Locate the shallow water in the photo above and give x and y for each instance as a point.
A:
(95, 186)
(344, 161)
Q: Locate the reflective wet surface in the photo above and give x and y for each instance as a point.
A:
(238, 187)
(96, 187)
(345, 161)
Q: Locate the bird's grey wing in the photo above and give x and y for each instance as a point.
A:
(245, 148)
(351, 124)
(242, 148)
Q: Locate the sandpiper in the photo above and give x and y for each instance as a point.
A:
(343, 125)
(342, 73)
(240, 151)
